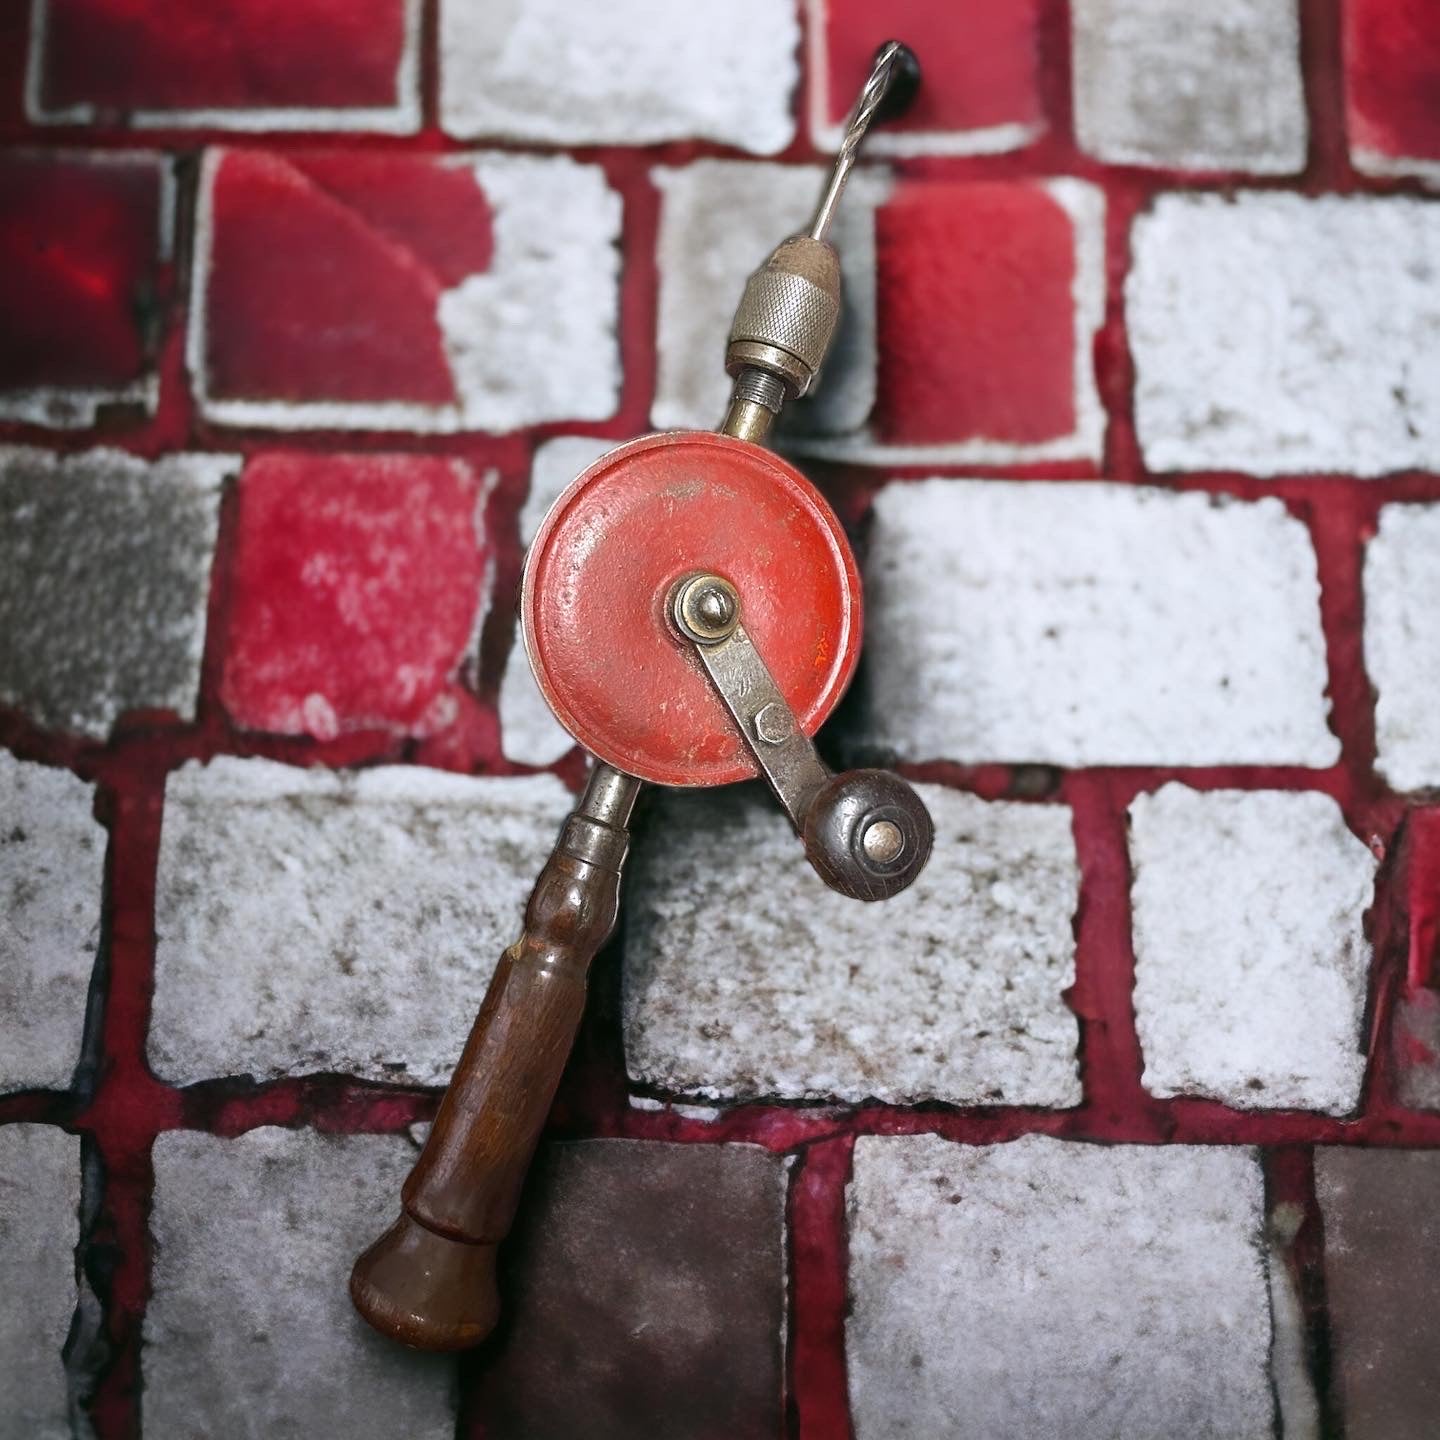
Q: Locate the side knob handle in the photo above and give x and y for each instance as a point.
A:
(868, 834)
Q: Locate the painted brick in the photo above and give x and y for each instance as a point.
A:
(1416, 1042)
(236, 64)
(52, 862)
(249, 1330)
(924, 262)
(719, 219)
(990, 96)
(989, 296)
(310, 921)
(1089, 624)
(358, 587)
(529, 732)
(86, 241)
(1382, 1283)
(1402, 599)
(1328, 357)
(38, 1230)
(632, 72)
(1047, 1288)
(647, 1297)
(1274, 1015)
(1392, 86)
(399, 291)
(745, 977)
(1189, 87)
(104, 582)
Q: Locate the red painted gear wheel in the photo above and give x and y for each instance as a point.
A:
(593, 600)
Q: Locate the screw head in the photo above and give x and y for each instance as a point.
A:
(773, 724)
(707, 608)
(882, 842)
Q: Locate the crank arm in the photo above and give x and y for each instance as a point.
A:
(866, 832)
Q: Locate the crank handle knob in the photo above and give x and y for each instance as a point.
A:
(868, 834)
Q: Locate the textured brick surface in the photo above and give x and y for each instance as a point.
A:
(1392, 80)
(1195, 87)
(249, 1331)
(529, 731)
(308, 921)
(1046, 1288)
(1402, 600)
(1176, 565)
(989, 101)
(1382, 1280)
(649, 1297)
(1273, 1015)
(228, 64)
(358, 586)
(1015, 269)
(104, 582)
(39, 1198)
(1091, 624)
(52, 861)
(1327, 357)
(85, 239)
(745, 977)
(630, 72)
(397, 292)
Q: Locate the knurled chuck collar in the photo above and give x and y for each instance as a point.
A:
(788, 313)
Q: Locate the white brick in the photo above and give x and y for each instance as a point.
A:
(631, 72)
(1196, 87)
(719, 219)
(249, 1330)
(1091, 624)
(1250, 952)
(1402, 599)
(309, 921)
(1045, 1288)
(529, 733)
(104, 582)
(745, 976)
(39, 1200)
(556, 256)
(1329, 354)
(52, 870)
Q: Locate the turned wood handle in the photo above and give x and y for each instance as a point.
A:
(429, 1280)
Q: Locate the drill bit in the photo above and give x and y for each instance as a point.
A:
(894, 76)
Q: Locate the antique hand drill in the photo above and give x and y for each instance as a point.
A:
(691, 609)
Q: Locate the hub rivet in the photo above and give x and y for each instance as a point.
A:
(707, 608)
(882, 842)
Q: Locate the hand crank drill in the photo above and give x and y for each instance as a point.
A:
(691, 609)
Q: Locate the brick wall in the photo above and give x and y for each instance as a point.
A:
(1124, 1122)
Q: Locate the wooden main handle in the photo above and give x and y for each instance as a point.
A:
(429, 1280)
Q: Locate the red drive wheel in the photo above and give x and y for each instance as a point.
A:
(598, 575)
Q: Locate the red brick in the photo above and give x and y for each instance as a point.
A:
(81, 272)
(988, 59)
(357, 585)
(976, 314)
(317, 291)
(114, 57)
(1392, 79)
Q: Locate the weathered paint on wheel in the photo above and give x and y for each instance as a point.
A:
(593, 617)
